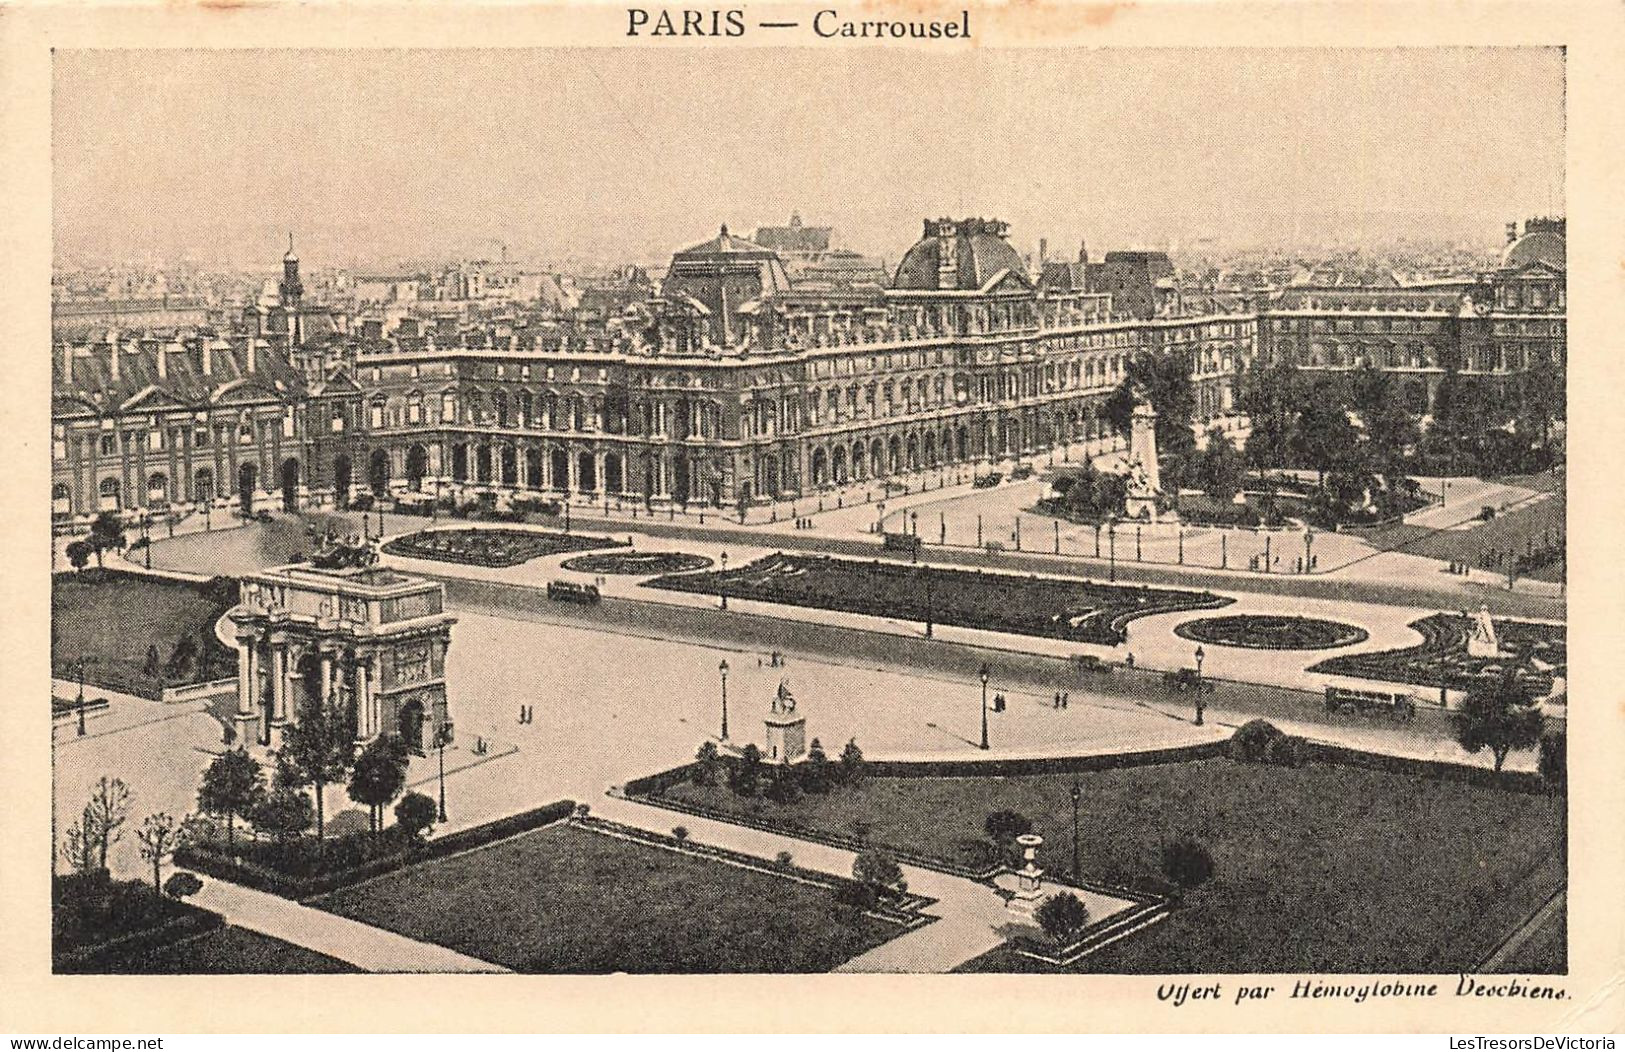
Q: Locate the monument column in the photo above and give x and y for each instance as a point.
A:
(364, 730)
(247, 718)
(279, 685)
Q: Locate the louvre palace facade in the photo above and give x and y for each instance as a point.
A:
(732, 382)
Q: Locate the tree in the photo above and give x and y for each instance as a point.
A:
(679, 833)
(1062, 916)
(705, 764)
(1219, 469)
(746, 776)
(1165, 382)
(152, 665)
(852, 764)
(1326, 440)
(79, 553)
(1187, 862)
(182, 659)
(1003, 827)
(815, 773)
(319, 749)
(1498, 716)
(105, 815)
(157, 836)
(232, 785)
(878, 869)
(107, 531)
(415, 814)
(1271, 394)
(379, 775)
(79, 847)
(283, 813)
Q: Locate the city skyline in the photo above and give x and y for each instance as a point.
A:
(342, 147)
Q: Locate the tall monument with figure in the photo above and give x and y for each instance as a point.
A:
(1144, 481)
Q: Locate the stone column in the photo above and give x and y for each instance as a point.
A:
(246, 722)
(365, 724)
(279, 685)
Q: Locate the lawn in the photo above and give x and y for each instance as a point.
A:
(111, 618)
(1075, 609)
(568, 900)
(1518, 531)
(493, 547)
(231, 951)
(1321, 868)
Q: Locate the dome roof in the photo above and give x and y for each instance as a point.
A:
(1538, 246)
(979, 253)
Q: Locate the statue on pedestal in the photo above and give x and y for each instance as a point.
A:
(1482, 641)
(1145, 481)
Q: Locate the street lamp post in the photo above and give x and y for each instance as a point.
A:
(1200, 654)
(983, 675)
(723, 668)
(1077, 795)
(1308, 547)
(146, 538)
(81, 702)
(442, 738)
(1111, 536)
(724, 583)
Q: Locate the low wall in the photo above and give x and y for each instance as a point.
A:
(206, 692)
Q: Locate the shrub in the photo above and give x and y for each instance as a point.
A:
(857, 895)
(1252, 740)
(1554, 758)
(785, 788)
(415, 813)
(1187, 862)
(361, 502)
(1004, 826)
(704, 771)
(784, 860)
(877, 868)
(1062, 916)
(1288, 750)
(680, 833)
(180, 885)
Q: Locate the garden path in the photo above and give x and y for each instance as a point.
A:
(371, 949)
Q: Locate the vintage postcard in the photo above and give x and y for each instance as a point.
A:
(1009, 518)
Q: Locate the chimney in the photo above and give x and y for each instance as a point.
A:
(67, 363)
(1043, 252)
(1512, 232)
(248, 355)
(163, 361)
(947, 261)
(113, 353)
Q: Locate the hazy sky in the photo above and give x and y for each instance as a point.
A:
(369, 155)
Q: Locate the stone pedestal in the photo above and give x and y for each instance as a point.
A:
(1030, 878)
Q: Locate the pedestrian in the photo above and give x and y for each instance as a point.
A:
(1056, 701)
(1129, 661)
(521, 714)
(1066, 698)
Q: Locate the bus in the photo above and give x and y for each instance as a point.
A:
(1398, 706)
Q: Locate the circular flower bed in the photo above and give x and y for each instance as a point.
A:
(639, 564)
(1271, 632)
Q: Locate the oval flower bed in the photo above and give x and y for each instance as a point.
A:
(493, 547)
(1271, 632)
(640, 564)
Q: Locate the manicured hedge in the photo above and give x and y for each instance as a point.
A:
(217, 863)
